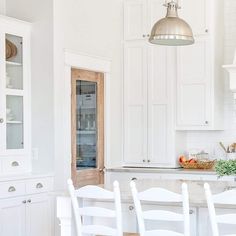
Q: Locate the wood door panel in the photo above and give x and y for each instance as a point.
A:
(89, 175)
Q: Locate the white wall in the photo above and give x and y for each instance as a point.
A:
(40, 13)
(209, 141)
(96, 28)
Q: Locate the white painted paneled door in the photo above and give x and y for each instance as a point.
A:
(12, 217)
(135, 13)
(194, 84)
(38, 216)
(135, 103)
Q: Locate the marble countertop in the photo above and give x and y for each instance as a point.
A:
(161, 170)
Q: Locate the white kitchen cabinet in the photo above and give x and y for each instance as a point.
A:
(135, 106)
(194, 85)
(26, 209)
(15, 144)
(204, 224)
(149, 135)
(199, 73)
(39, 215)
(12, 217)
(197, 15)
(139, 17)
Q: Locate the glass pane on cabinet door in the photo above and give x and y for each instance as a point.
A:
(86, 124)
(15, 125)
(14, 62)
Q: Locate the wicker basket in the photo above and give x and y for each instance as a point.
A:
(198, 165)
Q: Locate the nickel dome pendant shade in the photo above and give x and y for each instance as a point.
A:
(171, 30)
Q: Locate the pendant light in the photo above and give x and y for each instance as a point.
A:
(171, 30)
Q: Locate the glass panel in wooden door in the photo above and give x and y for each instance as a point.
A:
(86, 132)
(87, 127)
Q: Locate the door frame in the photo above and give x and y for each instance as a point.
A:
(90, 63)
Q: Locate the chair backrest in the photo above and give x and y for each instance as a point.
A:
(226, 197)
(161, 195)
(93, 193)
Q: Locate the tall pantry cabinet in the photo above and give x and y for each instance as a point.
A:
(149, 135)
(168, 90)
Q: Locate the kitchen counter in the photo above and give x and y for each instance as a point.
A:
(162, 170)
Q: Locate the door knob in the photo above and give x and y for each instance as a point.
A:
(1, 120)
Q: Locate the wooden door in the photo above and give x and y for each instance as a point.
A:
(87, 127)
(12, 217)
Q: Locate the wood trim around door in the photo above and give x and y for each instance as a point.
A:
(89, 176)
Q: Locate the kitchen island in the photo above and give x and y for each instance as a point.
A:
(169, 179)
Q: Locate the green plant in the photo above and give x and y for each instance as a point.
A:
(223, 167)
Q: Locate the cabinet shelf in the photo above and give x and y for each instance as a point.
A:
(10, 63)
(14, 122)
(86, 131)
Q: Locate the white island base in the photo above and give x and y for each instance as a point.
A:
(199, 218)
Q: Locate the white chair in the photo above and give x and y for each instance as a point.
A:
(226, 197)
(161, 195)
(93, 193)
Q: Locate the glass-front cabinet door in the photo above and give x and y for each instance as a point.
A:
(87, 127)
(14, 81)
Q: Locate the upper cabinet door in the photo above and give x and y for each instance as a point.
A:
(135, 15)
(196, 14)
(194, 85)
(135, 103)
(156, 11)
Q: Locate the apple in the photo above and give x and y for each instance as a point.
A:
(182, 159)
(192, 161)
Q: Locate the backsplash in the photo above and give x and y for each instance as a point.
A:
(209, 140)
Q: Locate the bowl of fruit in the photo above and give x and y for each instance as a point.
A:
(192, 163)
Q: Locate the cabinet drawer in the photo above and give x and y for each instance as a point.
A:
(14, 165)
(39, 185)
(11, 189)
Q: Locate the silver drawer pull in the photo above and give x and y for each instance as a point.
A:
(11, 189)
(39, 185)
(15, 163)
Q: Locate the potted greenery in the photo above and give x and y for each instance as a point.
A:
(225, 167)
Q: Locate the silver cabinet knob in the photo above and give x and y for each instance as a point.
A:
(15, 163)
(29, 201)
(144, 160)
(11, 189)
(149, 161)
(206, 30)
(191, 212)
(144, 35)
(24, 202)
(206, 122)
(131, 208)
(134, 179)
(148, 35)
(39, 185)
(1, 120)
